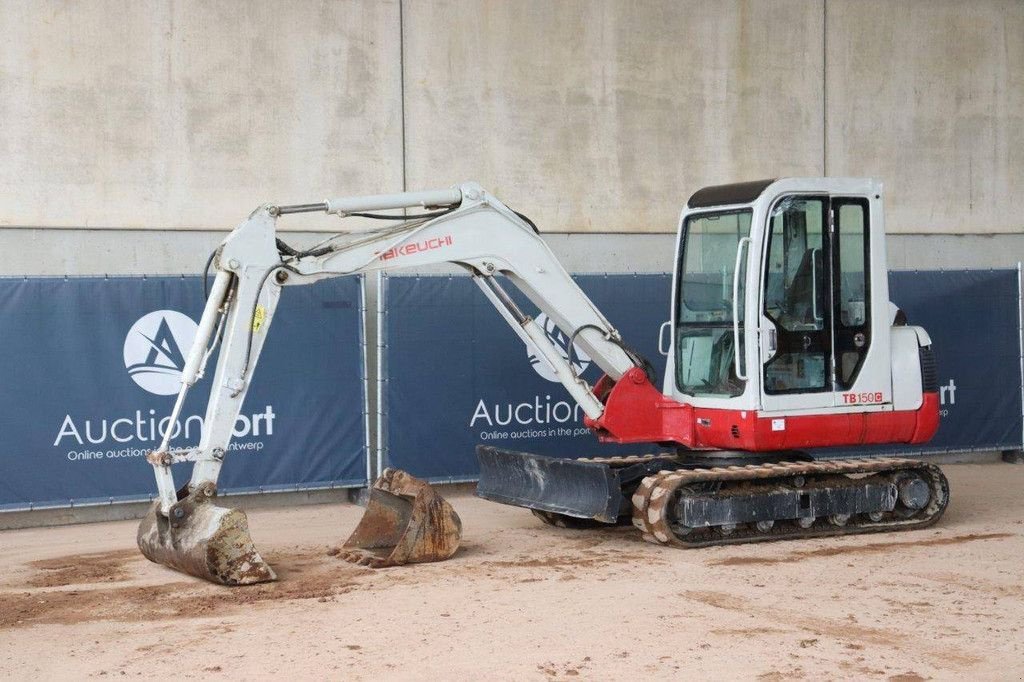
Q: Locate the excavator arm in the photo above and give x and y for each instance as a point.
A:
(464, 226)
(473, 230)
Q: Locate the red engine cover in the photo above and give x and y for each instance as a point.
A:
(637, 412)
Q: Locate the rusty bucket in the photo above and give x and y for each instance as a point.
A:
(406, 521)
(204, 540)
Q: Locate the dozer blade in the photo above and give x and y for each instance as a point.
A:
(585, 490)
(204, 540)
(405, 522)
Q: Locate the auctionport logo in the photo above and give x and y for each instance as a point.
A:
(580, 359)
(153, 350)
(154, 355)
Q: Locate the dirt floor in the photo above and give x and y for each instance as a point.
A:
(526, 601)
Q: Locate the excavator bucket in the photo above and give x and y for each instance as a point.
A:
(204, 540)
(405, 522)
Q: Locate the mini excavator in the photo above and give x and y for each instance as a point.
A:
(782, 338)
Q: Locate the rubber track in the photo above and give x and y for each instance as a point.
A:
(625, 460)
(652, 501)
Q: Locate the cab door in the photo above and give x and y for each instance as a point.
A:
(796, 312)
(815, 330)
(860, 377)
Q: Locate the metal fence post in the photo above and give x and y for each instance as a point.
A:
(365, 369)
(1017, 456)
(381, 377)
(1020, 337)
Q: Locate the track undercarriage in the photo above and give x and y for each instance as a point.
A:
(697, 503)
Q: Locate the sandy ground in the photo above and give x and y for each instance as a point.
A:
(526, 601)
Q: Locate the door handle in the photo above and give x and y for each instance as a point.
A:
(665, 338)
(818, 315)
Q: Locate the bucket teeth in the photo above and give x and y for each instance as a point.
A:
(406, 521)
(204, 540)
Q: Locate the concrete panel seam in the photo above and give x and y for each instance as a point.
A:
(824, 88)
(401, 92)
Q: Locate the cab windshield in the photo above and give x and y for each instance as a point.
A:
(704, 353)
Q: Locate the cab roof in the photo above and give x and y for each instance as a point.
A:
(723, 195)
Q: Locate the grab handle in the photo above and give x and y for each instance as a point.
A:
(740, 246)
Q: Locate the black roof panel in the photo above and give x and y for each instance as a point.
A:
(721, 195)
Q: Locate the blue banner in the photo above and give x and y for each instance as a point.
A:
(457, 376)
(91, 368)
(973, 318)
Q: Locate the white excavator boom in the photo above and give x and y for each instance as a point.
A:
(465, 226)
(475, 231)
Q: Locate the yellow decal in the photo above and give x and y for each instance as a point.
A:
(258, 317)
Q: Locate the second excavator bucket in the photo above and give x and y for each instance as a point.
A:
(406, 521)
(199, 538)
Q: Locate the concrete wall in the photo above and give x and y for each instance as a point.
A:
(590, 115)
(120, 252)
(189, 114)
(929, 96)
(604, 116)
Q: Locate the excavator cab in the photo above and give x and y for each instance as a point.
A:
(783, 340)
(781, 309)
